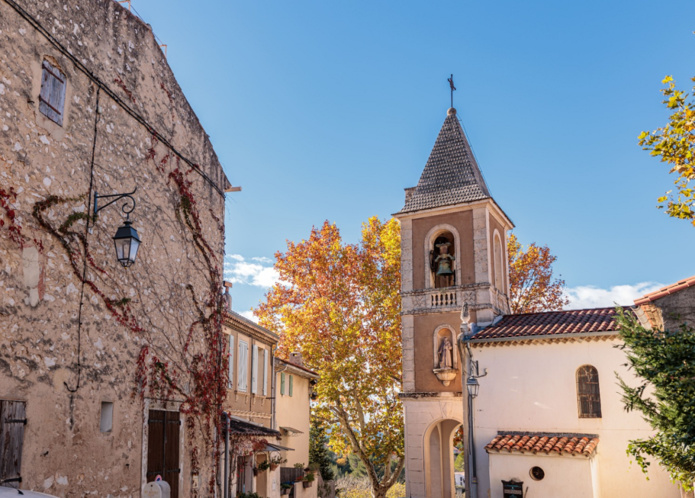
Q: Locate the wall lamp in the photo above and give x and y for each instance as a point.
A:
(472, 383)
(126, 239)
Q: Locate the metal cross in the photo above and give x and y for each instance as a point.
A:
(453, 88)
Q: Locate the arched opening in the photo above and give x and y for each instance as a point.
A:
(588, 392)
(439, 467)
(444, 350)
(442, 260)
(499, 262)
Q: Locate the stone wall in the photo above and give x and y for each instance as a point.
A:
(73, 322)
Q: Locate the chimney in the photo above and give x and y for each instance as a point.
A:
(409, 193)
(227, 295)
(296, 358)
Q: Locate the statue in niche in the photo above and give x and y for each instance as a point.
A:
(445, 354)
(442, 264)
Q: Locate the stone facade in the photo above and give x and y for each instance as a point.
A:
(451, 203)
(93, 351)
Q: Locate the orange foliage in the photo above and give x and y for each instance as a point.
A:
(531, 284)
(339, 304)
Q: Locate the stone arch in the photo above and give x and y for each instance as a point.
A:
(498, 266)
(439, 458)
(437, 231)
(441, 332)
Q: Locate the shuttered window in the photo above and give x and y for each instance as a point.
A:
(291, 384)
(230, 381)
(265, 372)
(282, 383)
(13, 419)
(163, 429)
(52, 96)
(588, 393)
(242, 371)
(254, 370)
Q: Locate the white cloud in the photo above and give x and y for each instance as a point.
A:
(249, 315)
(262, 259)
(588, 296)
(239, 271)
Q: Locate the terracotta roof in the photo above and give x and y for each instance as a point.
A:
(669, 289)
(311, 373)
(544, 442)
(451, 175)
(550, 323)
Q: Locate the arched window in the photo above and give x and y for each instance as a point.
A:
(442, 260)
(499, 262)
(588, 394)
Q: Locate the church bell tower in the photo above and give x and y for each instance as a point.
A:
(453, 252)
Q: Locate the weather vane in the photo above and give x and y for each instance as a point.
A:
(453, 89)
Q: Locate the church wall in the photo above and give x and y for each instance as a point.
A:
(676, 309)
(420, 415)
(463, 222)
(425, 326)
(564, 475)
(533, 388)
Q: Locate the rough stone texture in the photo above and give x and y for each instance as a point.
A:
(64, 452)
(672, 310)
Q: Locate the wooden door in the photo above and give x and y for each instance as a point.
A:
(12, 421)
(163, 430)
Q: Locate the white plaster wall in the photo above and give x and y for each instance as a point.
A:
(420, 415)
(565, 476)
(533, 388)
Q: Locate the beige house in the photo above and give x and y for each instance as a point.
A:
(540, 408)
(250, 405)
(293, 402)
(107, 366)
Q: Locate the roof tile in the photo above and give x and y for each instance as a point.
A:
(451, 175)
(551, 323)
(548, 443)
(665, 291)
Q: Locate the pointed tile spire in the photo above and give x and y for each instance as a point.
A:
(451, 175)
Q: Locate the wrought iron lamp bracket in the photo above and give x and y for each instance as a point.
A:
(127, 207)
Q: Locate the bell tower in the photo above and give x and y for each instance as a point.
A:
(453, 252)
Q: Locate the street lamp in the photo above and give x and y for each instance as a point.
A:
(473, 386)
(126, 239)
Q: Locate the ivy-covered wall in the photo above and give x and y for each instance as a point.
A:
(76, 328)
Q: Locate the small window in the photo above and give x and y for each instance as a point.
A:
(537, 473)
(243, 366)
(291, 384)
(106, 423)
(230, 381)
(52, 96)
(265, 372)
(282, 383)
(588, 394)
(254, 369)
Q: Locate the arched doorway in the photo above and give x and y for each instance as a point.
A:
(439, 458)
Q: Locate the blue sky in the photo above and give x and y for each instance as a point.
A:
(327, 110)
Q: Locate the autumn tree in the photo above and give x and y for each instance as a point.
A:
(339, 304)
(665, 396)
(675, 145)
(532, 287)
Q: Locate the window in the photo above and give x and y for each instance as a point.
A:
(254, 370)
(230, 381)
(265, 372)
(106, 422)
(282, 383)
(13, 420)
(242, 371)
(291, 384)
(52, 96)
(499, 262)
(588, 394)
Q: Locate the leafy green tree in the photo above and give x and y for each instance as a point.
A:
(318, 450)
(675, 145)
(664, 362)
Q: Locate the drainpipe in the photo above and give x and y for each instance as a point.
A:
(225, 423)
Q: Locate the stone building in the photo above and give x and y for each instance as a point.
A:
(541, 411)
(112, 372)
(453, 251)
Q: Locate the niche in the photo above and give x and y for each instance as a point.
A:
(442, 267)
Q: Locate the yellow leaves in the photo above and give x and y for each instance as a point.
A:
(667, 79)
(531, 284)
